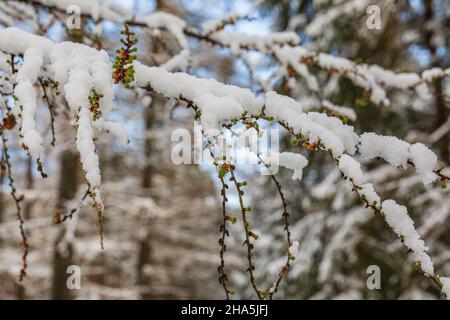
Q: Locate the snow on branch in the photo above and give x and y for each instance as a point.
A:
(283, 46)
(84, 75)
(316, 131)
(400, 153)
(323, 20)
(79, 71)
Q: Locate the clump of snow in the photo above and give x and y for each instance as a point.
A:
(367, 191)
(343, 111)
(424, 161)
(431, 74)
(26, 96)
(9, 39)
(445, 286)
(86, 148)
(293, 161)
(392, 149)
(398, 153)
(351, 169)
(176, 85)
(323, 20)
(344, 132)
(315, 127)
(398, 219)
(327, 61)
(216, 25)
(114, 127)
(291, 57)
(393, 80)
(236, 40)
(33, 60)
(164, 20)
(177, 62)
(95, 8)
(280, 106)
(77, 69)
(293, 249)
(216, 109)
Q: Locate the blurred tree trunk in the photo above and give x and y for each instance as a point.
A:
(442, 112)
(1, 199)
(148, 169)
(20, 291)
(63, 258)
(144, 247)
(30, 182)
(143, 259)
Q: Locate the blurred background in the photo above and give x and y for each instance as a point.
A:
(162, 220)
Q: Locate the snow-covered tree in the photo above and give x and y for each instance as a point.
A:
(97, 89)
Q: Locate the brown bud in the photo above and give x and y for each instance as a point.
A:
(123, 54)
(9, 122)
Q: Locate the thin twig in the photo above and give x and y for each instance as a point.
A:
(17, 199)
(50, 109)
(247, 242)
(58, 218)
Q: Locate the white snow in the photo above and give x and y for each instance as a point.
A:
(445, 286)
(316, 127)
(280, 106)
(27, 75)
(351, 169)
(216, 109)
(398, 219)
(176, 85)
(33, 60)
(343, 111)
(77, 68)
(398, 152)
(26, 95)
(177, 62)
(431, 74)
(391, 149)
(215, 25)
(323, 20)
(344, 132)
(95, 8)
(238, 40)
(114, 127)
(370, 195)
(290, 56)
(424, 161)
(293, 249)
(293, 161)
(86, 148)
(170, 22)
(327, 61)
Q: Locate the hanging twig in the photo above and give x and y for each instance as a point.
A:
(248, 232)
(17, 199)
(50, 109)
